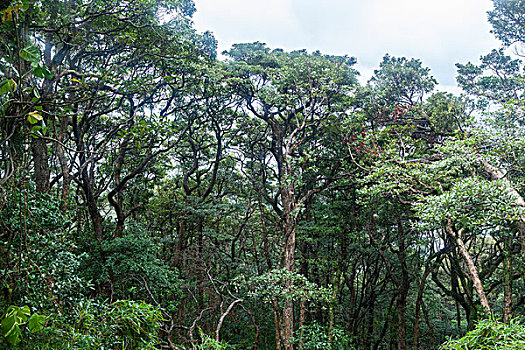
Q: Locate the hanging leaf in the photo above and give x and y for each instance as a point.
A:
(31, 53)
(35, 129)
(34, 117)
(36, 322)
(42, 72)
(10, 326)
(22, 312)
(11, 330)
(7, 86)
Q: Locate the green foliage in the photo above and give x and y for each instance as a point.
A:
(182, 178)
(486, 80)
(491, 334)
(473, 203)
(7, 86)
(30, 53)
(130, 267)
(317, 337)
(507, 21)
(46, 269)
(281, 284)
(123, 324)
(402, 81)
(15, 318)
(447, 113)
(209, 343)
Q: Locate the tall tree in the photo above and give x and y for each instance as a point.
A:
(294, 96)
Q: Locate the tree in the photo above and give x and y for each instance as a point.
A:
(507, 22)
(292, 96)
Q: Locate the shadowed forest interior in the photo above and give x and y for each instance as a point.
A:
(157, 195)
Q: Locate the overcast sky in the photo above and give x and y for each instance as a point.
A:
(439, 32)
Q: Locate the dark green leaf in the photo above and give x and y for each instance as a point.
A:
(10, 329)
(36, 322)
(42, 72)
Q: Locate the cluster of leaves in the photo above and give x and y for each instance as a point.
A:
(490, 334)
(131, 268)
(90, 325)
(209, 343)
(473, 203)
(282, 284)
(14, 321)
(314, 336)
(47, 269)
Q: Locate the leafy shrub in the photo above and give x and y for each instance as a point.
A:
(123, 324)
(282, 285)
(316, 337)
(491, 334)
(129, 267)
(39, 260)
(209, 343)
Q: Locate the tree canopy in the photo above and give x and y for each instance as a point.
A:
(153, 196)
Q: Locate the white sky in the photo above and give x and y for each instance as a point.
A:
(439, 32)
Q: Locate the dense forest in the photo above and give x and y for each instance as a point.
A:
(153, 196)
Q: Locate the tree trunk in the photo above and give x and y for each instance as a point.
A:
(41, 165)
(433, 344)
(277, 325)
(403, 286)
(302, 319)
(401, 329)
(369, 338)
(336, 285)
(473, 272)
(507, 282)
(419, 301)
(92, 204)
(288, 262)
(64, 166)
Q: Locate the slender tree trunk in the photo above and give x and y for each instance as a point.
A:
(277, 325)
(385, 327)
(419, 301)
(41, 165)
(403, 287)
(458, 315)
(335, 282)
(433, 344)
(38, 145)
(401, 329)
(288, 262)
(302, 319)
(473, 272)
(91, 201)
(507, 282)
(303, 270)
(369, 337)
(352, 307)
(66, 178)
